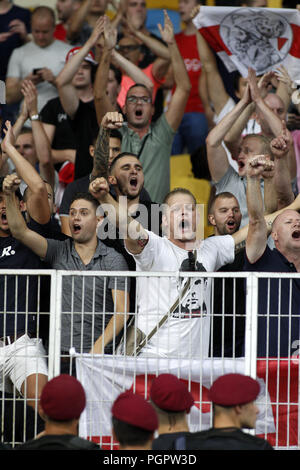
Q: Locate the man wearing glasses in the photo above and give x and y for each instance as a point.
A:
(153, 142)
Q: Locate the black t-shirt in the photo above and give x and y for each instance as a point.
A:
(79, 185)
(85, 128)
(59, 442)
(225, 439)
(54, 114)
(228, 297)
(14, 41)
(171, 441)
(18, 293)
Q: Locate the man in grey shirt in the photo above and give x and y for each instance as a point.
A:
(94, 309)
(152, 142)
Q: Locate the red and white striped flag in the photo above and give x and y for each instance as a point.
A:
(260, 38)
(105, 377)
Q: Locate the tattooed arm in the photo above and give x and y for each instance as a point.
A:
(111, 120)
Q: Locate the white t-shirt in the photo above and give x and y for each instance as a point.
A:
(30, 56)
(252, 127)
(186, 332)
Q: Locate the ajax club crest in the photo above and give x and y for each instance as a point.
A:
(256, 38)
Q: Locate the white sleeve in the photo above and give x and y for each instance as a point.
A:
(14, 65)
(145, 259)
(223, 246)
(226, 251)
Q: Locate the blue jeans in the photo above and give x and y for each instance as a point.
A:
(191, 133)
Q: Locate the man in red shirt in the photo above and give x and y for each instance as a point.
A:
(194, 128)
(65, 9)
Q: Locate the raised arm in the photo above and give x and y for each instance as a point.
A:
(262, 108)
(66, 90)
(161, 64)
(270, 193)
(216, 155)
(101, 99)
(77, 19)
(156, 46)
(16, 222)
(215, 86)
(135, 235)
(132, 70)
(257, 232)
(111, 120)
(41, 141)
(285, 86)
(241, 235)
(38, 206)
(21, 119)
(234, 135)
(274, 122)
(280, 147)
(179, 99)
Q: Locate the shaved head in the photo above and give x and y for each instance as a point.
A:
(282, 217)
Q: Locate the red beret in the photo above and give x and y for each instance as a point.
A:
(63, 398)
(170, 394)
(233, 389)
(135, 410)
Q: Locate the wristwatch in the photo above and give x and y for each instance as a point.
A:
(35, 117)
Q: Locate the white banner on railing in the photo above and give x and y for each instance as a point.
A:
(105, 377)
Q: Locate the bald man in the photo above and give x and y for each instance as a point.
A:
(276, 104)
(39, 60)
(279, 299)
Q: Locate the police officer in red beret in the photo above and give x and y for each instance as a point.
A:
(172, 402)
(62, 401)
(233, 397)
(134, 422)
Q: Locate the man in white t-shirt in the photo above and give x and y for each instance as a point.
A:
(39, 60)
(186, 331)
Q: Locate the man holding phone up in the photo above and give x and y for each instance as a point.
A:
(39, 60)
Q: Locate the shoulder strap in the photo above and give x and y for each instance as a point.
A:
(143, 145)
(165, 317)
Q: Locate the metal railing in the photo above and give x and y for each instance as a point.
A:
(279, 376)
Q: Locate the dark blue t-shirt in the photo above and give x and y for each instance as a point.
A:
(23, 293)
(14, 41)
(17, 294)
(278, 306)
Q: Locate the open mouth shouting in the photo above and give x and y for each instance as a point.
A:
(138, 112)
(241, 165)
(76, 229)
(3, 218)
(231, 225)
(184, 226)
(296, 234)
(133, 182)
